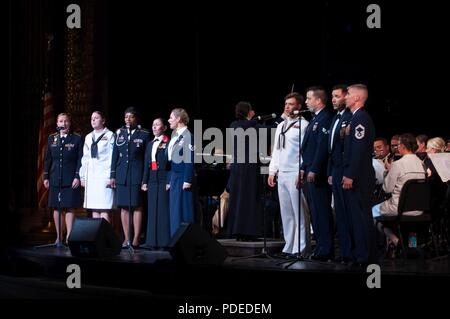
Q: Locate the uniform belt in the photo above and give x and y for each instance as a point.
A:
(154, 166)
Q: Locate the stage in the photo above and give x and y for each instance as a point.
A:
(155, 275)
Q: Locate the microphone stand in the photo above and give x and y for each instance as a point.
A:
(264, 251)
(59, 243)
(299, 256)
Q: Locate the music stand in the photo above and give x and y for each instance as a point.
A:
(59, 243)
(212, 180)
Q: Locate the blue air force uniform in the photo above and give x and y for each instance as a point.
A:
(63, 153)
(358, 148)
(129, 148)
(315, 156)
(336, 170)
(156, 170)
(181, 157)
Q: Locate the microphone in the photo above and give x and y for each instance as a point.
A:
(60, 128)
(266, 117)
(296, 112)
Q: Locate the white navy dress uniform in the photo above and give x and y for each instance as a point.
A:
(285, 163)
(95, 170)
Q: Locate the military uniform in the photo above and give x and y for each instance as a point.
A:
(318, 194)
(285, 163)
(156, 170)
(129, 148)
(63, 153)
(181, 157)
(335, 170)
(358, 148)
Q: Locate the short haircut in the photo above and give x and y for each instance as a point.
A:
(65, 114)
(297, 96)
(382, 139)
(242, 109)
(182, 114)
(342, 87)
(132, 110)
(360, 87)
(319, 93)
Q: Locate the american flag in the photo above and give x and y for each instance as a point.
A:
(45, 129)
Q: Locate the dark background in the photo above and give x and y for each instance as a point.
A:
(207, 57)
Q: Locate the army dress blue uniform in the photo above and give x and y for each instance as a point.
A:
(315, 155)
(156, 169)
(336, 170)
(129, 148)
(358, 148)
(66, 153)
(181, 158)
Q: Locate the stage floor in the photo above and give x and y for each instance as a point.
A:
(154, 274)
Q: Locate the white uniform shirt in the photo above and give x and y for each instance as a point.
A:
(174, 138)
(156, 143)
(286, 159)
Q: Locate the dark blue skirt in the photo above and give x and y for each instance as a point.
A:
(70, 198)
(123, 195)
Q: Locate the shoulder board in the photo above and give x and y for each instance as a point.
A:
(53, 134)
(145, 130)
(76, 134)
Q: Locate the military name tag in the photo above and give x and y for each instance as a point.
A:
(315, 126)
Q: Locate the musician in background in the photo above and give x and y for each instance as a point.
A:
(284, 168)
(245, 218)
(380, 161)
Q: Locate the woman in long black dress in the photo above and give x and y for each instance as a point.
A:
(61, 172)
(154, 183)
(245, 220)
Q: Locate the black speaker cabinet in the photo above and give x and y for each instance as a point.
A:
(192, 245)
(93, 237)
